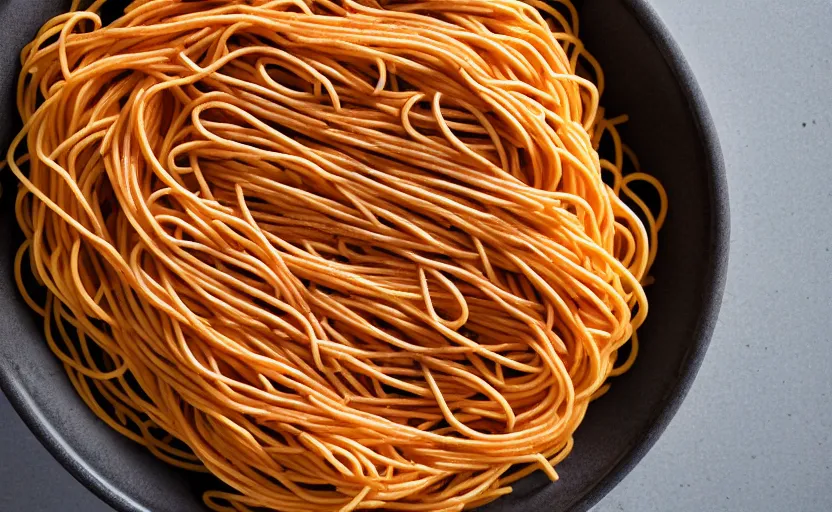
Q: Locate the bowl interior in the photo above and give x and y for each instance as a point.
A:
(670, 131)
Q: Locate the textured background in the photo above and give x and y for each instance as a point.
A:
(754, 433)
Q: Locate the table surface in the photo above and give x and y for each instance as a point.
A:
(754, 432)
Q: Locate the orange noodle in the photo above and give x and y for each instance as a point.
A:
(342, 254)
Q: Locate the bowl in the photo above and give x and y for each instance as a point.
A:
(670, 130)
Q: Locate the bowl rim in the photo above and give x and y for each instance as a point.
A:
(717, 254)
(710, 302)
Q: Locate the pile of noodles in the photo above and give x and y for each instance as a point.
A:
(343, 254)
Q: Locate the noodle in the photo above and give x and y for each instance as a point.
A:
(342, 254)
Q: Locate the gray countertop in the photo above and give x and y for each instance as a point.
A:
(754, 432)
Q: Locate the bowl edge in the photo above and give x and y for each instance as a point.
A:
(719, 231)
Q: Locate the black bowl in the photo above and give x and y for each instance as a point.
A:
(670, 130)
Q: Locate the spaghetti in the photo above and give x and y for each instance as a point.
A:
(342, 254)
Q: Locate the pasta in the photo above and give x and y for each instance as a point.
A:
(342, 254)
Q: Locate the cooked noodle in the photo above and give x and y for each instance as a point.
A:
(343, 254)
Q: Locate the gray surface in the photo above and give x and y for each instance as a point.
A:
(754, 433)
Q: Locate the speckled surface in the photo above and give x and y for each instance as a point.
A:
(753, 434)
